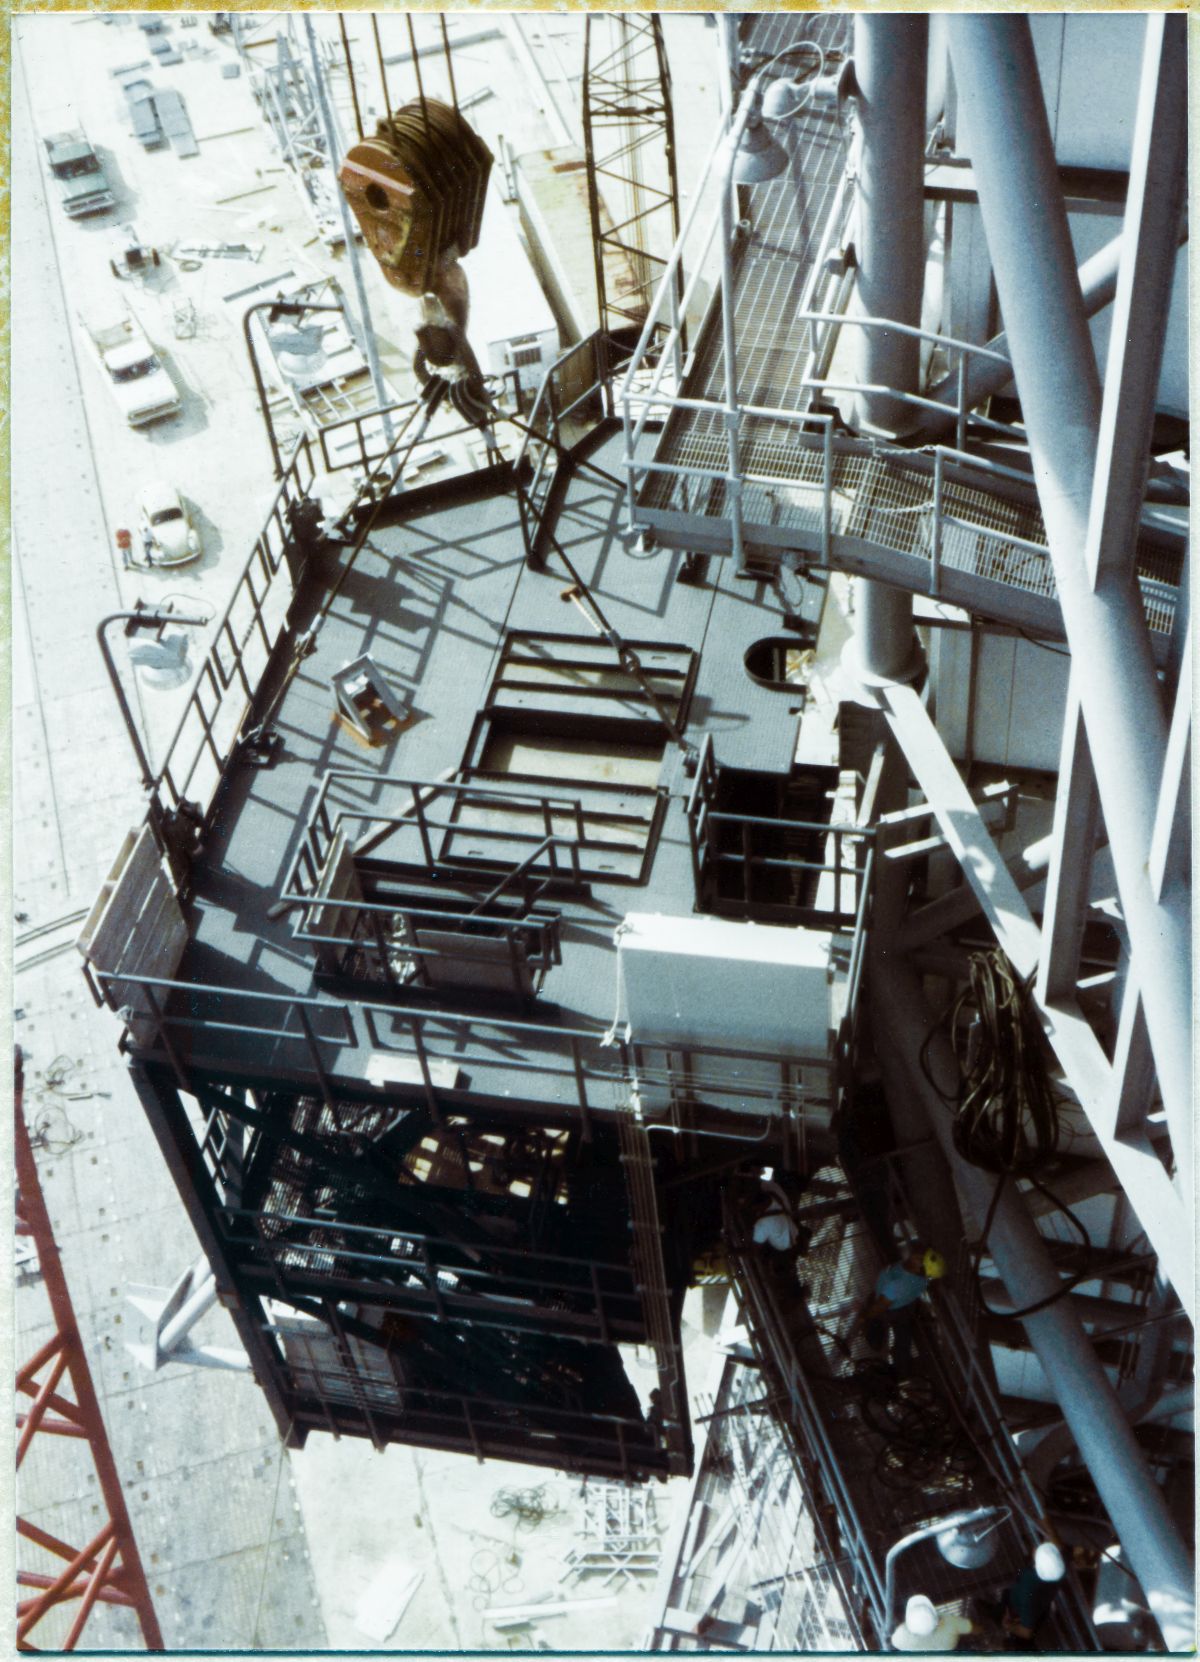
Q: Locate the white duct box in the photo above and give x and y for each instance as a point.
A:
(713, 981)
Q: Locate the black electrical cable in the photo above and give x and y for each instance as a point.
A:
(1046, 646)
(1065, 1288)
(1005, 1104)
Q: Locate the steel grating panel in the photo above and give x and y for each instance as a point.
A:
(771, 262)
(877, 495)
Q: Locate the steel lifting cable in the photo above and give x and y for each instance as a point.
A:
(416, 62)
(449, 60)
(350, 75)
(387, 102)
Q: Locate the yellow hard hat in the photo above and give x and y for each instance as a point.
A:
(933, 1265)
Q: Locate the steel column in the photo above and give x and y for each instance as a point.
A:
(1068, 890)
(164, 1111)
(1162, 1211)
(1013, 157)
(1157, 174)
(890, 65)
(1090, 1406)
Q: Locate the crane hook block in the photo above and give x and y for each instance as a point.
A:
(417, 190)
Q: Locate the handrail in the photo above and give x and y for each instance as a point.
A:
(361, 419)
(531, 1035)
(325, 818)
(212, 666)
(517, 871)
(496, 1249)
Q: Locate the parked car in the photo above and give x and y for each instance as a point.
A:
(143, 390)
(77, 174)
(168, 536)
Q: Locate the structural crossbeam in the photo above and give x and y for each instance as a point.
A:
(1162, 1211)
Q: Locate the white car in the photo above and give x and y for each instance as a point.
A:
(168, 536)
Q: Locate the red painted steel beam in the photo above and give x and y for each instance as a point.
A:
(108, 1570)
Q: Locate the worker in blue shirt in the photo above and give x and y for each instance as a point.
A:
(893, 1306)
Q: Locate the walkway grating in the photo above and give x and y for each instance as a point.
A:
(863, 505)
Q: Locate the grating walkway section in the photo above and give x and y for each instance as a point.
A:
(786, 220)
(863, 506)
(890, 1455)
(755, 1568)
(882, 512)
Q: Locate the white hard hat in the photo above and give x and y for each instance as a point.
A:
(920, 1616)
(1048, 1562)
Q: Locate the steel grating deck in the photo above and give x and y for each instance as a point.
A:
(988, 549)
(771, 261)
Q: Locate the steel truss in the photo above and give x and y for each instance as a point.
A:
(291, 106)
(628, 124)
(762, 468)
(455, 1341)
(885, 513)
(108, 1570)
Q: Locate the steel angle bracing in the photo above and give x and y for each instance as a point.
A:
(628, 126)
(108, 1570)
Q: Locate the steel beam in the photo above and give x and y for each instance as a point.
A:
(1090, 1406)
(1133, 1067)
(1170, 846)
(985, 377)
(1157, 173)
(1163, 1212)
(925, 1173)
(891, 56)
(1036, 277)
(1068, 889)
(169, 1123)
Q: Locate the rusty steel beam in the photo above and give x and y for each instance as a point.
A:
(109, 1569)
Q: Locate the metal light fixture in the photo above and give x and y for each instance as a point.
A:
(784, 97)
(820, 93)
(969, 1546)
(960, 1537)
(758, 156)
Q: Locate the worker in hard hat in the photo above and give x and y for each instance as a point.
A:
(1030, 1599)
(923, 1629)
(893, 1306)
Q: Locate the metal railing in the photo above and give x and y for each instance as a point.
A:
(250, 626)
(573, 1439)
(453, 1280)
(653, 1288)
(582, 1071)
(928, 508)
(326, 819)
(804, 1426)
(843, 864)
(738, 458)
(400, 943)
(560, 401)
(366, 430)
